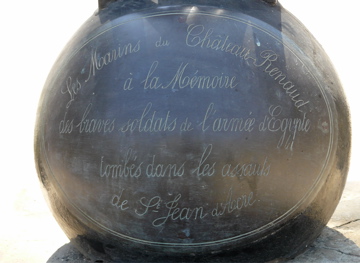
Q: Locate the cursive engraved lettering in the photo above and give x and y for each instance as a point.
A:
(289, 127)
(72, 88)
(126, 169)
(246, 169)
(179, 213)
(149, 122)
(100, 60)
(162, 43)
(128, 83)
(119, 202)
(203, 168)
(199, 36)
(164, 170)
(225, 124)
(95, 125)
(233, 204)
(269, 57)
(185, 79)
(186, 125)
(154, 203)
(174, 211)
(66, 126)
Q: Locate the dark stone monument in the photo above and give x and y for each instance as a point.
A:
(192, 131)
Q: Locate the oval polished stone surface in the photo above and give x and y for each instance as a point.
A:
(191, 129)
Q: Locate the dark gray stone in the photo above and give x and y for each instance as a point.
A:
(192, 131)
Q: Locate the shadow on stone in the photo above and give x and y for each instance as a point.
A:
(67, 253)
(331, 246)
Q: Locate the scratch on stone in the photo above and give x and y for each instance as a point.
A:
(347, 223)
(337, 250)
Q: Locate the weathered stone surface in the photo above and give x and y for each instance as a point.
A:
(331, 246)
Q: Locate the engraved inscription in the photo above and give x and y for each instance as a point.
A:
(66, 125)
(246, 169)
(176, 213)
(199, 36)
(188, 129)
(150, 122)
(288, 127)
(185, 79)
(269, 57)
(87, 125)
(233, 204)
(211, 122)
(204, 168)
(162, 43)
(175, 210)
(127, 168)
(71, 88)
(119, 202)
(99, 60)
(155, 169)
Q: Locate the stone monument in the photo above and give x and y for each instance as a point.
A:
(173, 130)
